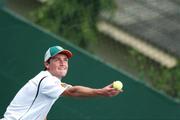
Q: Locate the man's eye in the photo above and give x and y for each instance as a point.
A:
(65, 59)
(56, 59)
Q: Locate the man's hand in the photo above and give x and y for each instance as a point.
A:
(109, 91)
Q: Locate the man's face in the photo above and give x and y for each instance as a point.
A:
(58, 65)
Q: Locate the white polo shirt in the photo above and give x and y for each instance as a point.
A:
(49, 91)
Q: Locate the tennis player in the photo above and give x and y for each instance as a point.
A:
(35, 99)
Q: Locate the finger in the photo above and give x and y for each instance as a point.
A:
(121, 90)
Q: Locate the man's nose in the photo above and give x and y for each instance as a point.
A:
(61, 62)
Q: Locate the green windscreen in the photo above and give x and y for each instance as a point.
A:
(23, 46)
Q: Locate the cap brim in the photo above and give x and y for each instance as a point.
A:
(67, 53)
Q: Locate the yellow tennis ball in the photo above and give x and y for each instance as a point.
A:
(117, 85)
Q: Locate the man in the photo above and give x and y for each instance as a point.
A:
(35, 99)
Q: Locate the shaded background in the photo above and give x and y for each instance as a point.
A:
(23, 45)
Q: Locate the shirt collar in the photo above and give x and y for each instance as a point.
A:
(49, 74)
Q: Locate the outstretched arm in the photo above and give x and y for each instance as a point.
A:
(81, 91)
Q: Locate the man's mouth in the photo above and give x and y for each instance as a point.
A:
(62, 68)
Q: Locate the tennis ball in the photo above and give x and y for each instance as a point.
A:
(117, 85)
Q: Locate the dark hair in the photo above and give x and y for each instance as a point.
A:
(48, 61)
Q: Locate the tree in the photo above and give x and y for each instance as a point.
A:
(74, 20)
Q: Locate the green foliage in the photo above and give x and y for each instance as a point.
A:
(74, 20)
(161, 78)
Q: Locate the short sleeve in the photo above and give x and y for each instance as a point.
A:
(65, 85)
(51, 86)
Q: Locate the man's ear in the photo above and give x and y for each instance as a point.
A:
(46, 64)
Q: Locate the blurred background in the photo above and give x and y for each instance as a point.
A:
(138, 37)
(149, 47)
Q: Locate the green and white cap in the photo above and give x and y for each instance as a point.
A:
(52, 51)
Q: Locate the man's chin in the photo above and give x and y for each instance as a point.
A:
(62, 75)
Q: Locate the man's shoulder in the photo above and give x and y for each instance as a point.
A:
(40, 75)
(46, 76)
